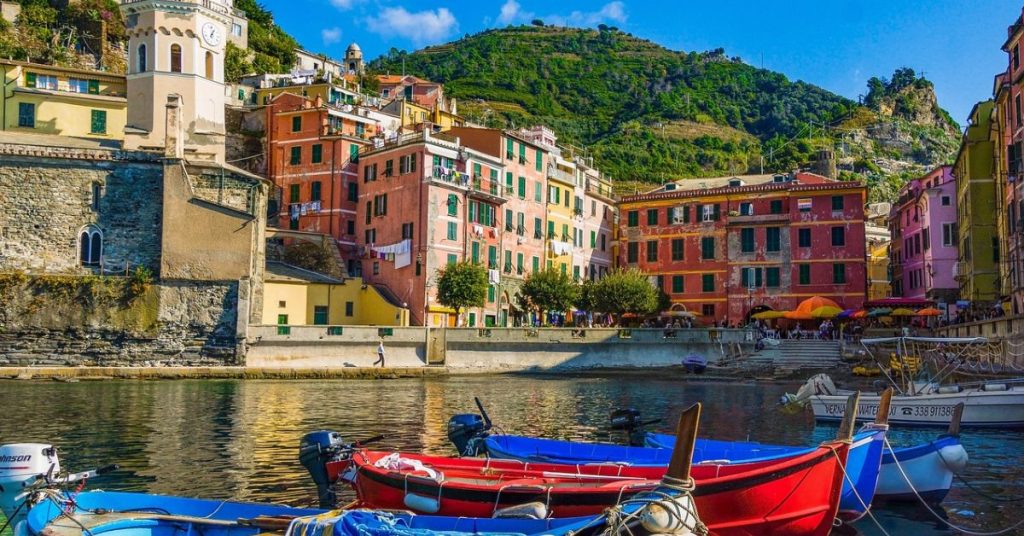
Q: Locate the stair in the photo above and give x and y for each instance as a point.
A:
(801, 354)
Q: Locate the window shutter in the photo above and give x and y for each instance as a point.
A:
(30, 79)
(686, 213)
(745, 277)
(94, 87)
(716, 213)
(757, 277)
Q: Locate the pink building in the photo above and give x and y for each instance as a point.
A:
(923, 254)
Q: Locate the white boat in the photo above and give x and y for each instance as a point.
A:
(924, 470)
(923, 400)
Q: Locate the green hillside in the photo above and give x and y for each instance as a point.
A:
(648, 114)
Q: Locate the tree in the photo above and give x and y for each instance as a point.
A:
(626, 291)
(462, 285)
(311, 257)
(550, 290)
(537, 22)
(587, 299)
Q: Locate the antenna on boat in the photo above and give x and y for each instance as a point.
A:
(882, 415)
(483, 413)
(954, 422)
(686, 437)
(849, 417)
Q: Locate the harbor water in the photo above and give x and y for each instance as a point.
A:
(239, 439)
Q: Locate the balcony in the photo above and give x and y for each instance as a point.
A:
(561, 176)
(478, 187)
(594, 187)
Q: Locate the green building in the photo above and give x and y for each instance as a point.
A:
(978, 268)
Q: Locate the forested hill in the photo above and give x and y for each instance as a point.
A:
(649, 114)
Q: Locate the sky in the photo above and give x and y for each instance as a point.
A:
(835, 44)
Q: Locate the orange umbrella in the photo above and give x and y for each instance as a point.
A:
(816, 302)
(798, 315)
(826, 311)
(859, 314)
(929, 311)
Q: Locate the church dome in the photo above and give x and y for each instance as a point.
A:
(353, 48)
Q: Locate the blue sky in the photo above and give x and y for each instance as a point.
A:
(836, 44)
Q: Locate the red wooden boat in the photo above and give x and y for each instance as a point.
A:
(793, 496)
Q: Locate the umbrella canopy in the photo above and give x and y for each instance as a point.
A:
(681, 314)
(881, 311)
(767, 315)
(816, 302)
(826, 311)
(798, 315)
(847, 313)
(902, 311)
(859, 314)
(929, 311)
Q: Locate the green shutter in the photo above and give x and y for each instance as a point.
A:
(99, 122)
(539, 160)
(318, 153)
(686, 213)
(522, 187)
(296, 156)
(475, 252)
(453, 203)
(94, 87)
(745, 277)
(30, 79)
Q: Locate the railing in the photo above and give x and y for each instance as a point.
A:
(596, 187)
(557, 174)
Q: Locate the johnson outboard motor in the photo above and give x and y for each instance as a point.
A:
(316, 449)
(466, 430)
(628, 420)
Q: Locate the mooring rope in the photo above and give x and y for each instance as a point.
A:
(866, 506)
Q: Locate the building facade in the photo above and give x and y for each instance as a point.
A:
(1008, 91)
(727, 246)
(923, 223)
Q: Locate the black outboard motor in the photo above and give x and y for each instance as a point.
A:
(315, 450)
(629, 421)
(466, 429)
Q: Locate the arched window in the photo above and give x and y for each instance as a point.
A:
(175, 58)
(209, 65)
(140, 62)
(90, 246)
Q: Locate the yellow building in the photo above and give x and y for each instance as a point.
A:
(295, 296)
(563, 205)
(978, 267)
(412, 115)
(878, 271)
(46, 99)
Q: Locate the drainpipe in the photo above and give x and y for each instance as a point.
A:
(3, 119)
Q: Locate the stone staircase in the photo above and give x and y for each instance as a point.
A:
(800, 354)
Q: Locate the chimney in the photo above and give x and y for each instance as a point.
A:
(454, 108)
(174, 144)
(318, 102)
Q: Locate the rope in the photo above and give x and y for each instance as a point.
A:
(866, 506)
(688, 520)
(938, 517)
(976, 490)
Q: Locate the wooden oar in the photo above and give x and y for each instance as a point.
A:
(269, 523)
(954, 422)
(686, 438)
(849, 418)
(882, 415)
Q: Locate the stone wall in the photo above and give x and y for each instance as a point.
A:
(47, 195)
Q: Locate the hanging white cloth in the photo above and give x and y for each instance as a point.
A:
(493, 276)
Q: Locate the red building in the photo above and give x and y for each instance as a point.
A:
(312, 158)
(723, 247)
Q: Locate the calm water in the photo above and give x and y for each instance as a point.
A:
(238, 439)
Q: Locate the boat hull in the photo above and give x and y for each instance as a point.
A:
(930, 467)
(981, 408)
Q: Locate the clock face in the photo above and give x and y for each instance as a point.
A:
(211, 34)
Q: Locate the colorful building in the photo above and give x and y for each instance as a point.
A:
(1009, 124)
(725, 247)
(407, 87)
(412, 115)
(47, 99)
(312, 158)
(923, 224)
(595, 254)
(977, 271)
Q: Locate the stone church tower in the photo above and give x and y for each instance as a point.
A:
(354, 59)
(177, 48)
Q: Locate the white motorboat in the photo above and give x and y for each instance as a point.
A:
(921, 397)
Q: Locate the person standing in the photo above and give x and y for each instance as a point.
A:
(380, 354)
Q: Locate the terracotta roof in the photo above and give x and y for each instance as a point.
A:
(804, 182)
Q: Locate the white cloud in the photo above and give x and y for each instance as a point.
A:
(421, 27)
(512, 13)
(330, 35)
(343, 5)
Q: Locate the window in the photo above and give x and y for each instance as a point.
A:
(26, 115)
(353, 155)
(632, 252)
(236, 30)
(296, 156)
(175, 58)
(475, 252)
(945, 201)
(804, 205)
(453, 231)
(751, 278)
(593, 239)
(535, 264)
(652, 251)
(522, 187)
(746, 209)
(140, 59)
(679, 214)
(353, 191)
(602, 242)
(677, 249)
(293, 194)
(539, 162)
(90, 246)
(453, 259)
(805, 274)
(453, 203)
(350, 227)
(380, 205)
(839, 236)
(492, 257)
(537, 192)
(652, 216)
(78, 85)
(389, 168)
(773, 237)
(296, 123)
(490, 294)
(925, 238)
(314, 191)
(41, 81)
(407, 230)
(282, 325)
(995, 249)
(376, 268)
(318, 153)
(677, 284)
(948, 234)
(776, 206)
(747, 239)
(804, 238)
(839, 274)
(771, 277)
(707, 248)
(707, 282)
(98, 122)
(320, 315)
(710, 213)
(97, 193)
(209, 65)
(708, 310)
(632, 218)
(519, 263)
(837, 203)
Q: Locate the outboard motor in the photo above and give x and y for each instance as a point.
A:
(21, 465)
(316, 449)
(628, 420)
(463, 431)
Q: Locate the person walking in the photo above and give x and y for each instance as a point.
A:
(380, 354)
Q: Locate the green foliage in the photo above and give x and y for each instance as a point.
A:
(550, 290)
(587, 299)
(626, 291)
(236, 63)
(138, 282)
(462, 285)
(271, 49)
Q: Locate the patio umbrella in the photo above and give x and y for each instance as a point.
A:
(768, 315)
(825, 311)
(681, 314)
(815, 302)
(881, 311)
(902, 311)
(798, 315)
(847, 313)
(859, 314)
(929, 311)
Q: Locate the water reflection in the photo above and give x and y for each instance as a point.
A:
(238, 439)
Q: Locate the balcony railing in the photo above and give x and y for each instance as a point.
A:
(557, 174)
